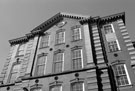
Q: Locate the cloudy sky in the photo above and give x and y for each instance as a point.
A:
(18, 17)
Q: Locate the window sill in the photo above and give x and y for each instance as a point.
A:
(125, 86)
(76, 40)
(59, 44)
(44, 47)
(19, 55)
(115, 51)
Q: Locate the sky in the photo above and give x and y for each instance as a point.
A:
(18, 17)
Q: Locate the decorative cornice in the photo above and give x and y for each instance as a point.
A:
(113, 17)
(103, 20)
(59, 16)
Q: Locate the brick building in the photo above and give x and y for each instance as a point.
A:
(71, 52)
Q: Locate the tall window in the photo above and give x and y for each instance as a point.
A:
(122, 75)
(58, 62)
(21, 49)
(113, 46)
(111, 38)
(56, 88)
(76, 33)
(44, 41)
(60, 37)
(77, 59)
(14, 73)
(77, 86)
(41, 65)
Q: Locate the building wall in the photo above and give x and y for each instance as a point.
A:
(97, 73)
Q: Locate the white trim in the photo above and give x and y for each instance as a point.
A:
(127, 74)
(112, 28)
(64, 37)
(80, 32)
(49, 40)
(82, 57)
(118, 45)
(83, 86)
(45, 64)
(62, 62)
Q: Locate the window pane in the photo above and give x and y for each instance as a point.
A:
(58, 62)
(108, 29)
(76, 33)
(78, 86)
(77, 59)
(60, 37)
(21, 49)
(45, 41)
(121, 75)
(41, 63)
(113, 46)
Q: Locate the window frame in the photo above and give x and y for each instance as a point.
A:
(76, 82)
(113, 31)
(82, 64)
(45, 41)
(58, 38)
(17, 73)
(54, 61)
(38, 65)
(117, 43)
(122, 75)
(78, 36)
(22, 49)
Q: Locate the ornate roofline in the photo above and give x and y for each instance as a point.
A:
(105, 19)
(56, 17)
(59, 16)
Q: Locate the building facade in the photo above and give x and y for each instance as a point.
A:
(71, 52)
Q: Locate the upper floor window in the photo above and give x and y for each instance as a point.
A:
(109, 29)
(113, 46)
(77, 86)
(58, 62)
(56, 88)
(122, 75)
(77, 59)
(41, 65)
(21, 49)
(76, 33)
(111, 38)
(44, 41)
(14, 72)
(60, 37)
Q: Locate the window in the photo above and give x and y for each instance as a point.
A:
(122, 75)
(109, 29)
(111, 38)
(44, 41)
(36, 89)
(56, 88)
(77, 59)
(77, 86)
(113, 46)
(14, 73)
(60, 37)
(76, 33)
(21, 49)
(58, 62)
(41, 64)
